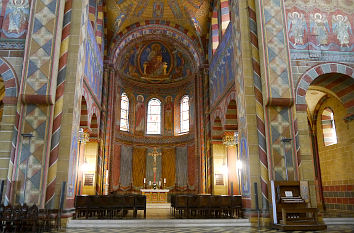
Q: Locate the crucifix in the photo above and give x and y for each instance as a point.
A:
(154, 154)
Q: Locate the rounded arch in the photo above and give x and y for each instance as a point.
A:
(317, 71)
(314, 72)
(84, 120)
(231, 116)
(94, 126)
(162, 28)
(217, 130)
(10, 81)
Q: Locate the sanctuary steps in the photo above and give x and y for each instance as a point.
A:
(157, 223)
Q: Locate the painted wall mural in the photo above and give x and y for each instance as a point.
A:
(315, 33)
(155, 61)
(94, 64)
(222, 68)
(14, 18)
(140, 115)
(158, 9)
(168, 117)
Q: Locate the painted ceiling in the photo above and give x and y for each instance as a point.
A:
(155, 61)
(190, 14)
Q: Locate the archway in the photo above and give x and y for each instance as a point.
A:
(230, 142)
(83, 138)
(89, 166)
(330, 108)
(220, 181)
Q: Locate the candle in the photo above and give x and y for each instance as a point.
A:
(144, 180)
(159, 183)
(164, 180)
(149, 182)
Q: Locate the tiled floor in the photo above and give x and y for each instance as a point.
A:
(332, 228)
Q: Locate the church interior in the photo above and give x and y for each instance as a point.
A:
(245, 99)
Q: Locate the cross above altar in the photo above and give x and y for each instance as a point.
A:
(154, 154)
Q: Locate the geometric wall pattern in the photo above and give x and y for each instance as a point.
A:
(278, 82)
(275, 46)
(37, 91)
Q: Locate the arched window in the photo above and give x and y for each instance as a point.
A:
(154, 117)
(124, 112)
(185, 114)
(328, 127)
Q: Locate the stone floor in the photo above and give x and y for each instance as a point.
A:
(341, 229)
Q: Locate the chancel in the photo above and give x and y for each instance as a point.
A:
(177, 109)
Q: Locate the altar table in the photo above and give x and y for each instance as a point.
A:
(155, 195)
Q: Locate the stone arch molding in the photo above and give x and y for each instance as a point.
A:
(310, 75)
(325, 68)
(10, 81)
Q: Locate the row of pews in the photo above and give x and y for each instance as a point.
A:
(109, 206)
(206, 206)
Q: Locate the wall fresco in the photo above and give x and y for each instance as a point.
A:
(155, 62)
(316, 33)
(94, 63)
(14, 18)
(222, 68)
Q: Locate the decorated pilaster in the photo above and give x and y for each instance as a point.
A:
(37, 94)
(278, 90)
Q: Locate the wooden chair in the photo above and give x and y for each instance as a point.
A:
(42, 220)
(236, 206)
(7, 219)
(139, 204)
(225, 205)
(32, 218)
(53, 219)
(204, 205)
(81, 206)
(173, 203)
(181, 204)
(192, 205)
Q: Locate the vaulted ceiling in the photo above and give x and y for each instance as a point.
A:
(192, 15)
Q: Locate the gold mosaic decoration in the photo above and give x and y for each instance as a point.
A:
(187, 13)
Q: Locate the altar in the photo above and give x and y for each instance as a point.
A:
(155, 195)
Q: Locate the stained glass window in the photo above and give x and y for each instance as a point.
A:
(154, 117)
(185, 114)
(328, 127)
(124, 112)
